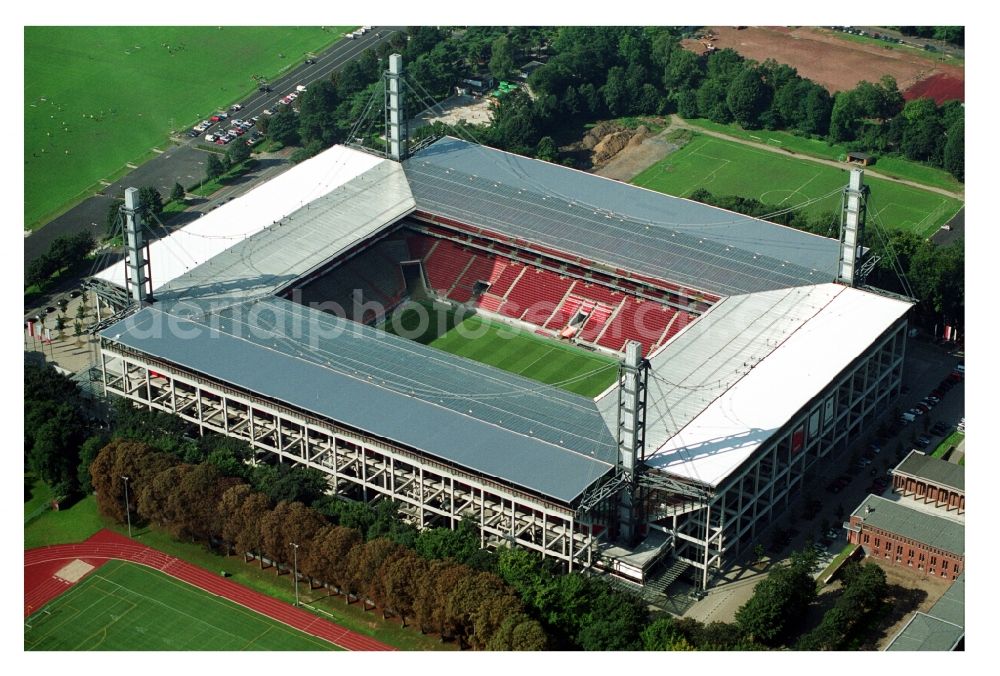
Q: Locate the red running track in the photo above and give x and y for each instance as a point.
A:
(41, 564)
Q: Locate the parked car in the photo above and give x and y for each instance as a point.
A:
(300, 88)
(210, 138)
(194, 133)
(310, 62)
(235, 107)
(267, 111)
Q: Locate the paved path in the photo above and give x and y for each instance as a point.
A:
(105, 545)
(677, 121)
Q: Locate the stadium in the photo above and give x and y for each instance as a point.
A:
(612, 377)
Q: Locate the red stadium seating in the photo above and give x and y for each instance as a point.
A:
(445, 265)
(565, 312)
(538, 293)
(596, 321)
(641, 321)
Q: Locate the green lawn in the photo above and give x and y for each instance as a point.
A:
(730, 168)
(512, 350)
(122, 606)
(96, 98)
(895, 167)
(951, 440)
(37, 503)
(71, 524)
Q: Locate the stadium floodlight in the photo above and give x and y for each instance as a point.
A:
(295, 570)
(128, 512)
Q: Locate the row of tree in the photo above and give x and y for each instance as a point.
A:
(197, 502)
(953, 34)
(935, 274)
(874, 117)
(65, 252)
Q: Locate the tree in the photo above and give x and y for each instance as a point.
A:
(88, 451)
(318, 109)
(213, 166)
(954, 151)
(663, 634)
(177, 194)
(547, 149)
(518, 632)
(615, 91)
(54, 455)
(114, 219)
(845, 117)
(922, 133)
(238, 153)
(711, 97)
(283, 126)
(747, 98)
(501, 58)
(150, 202)
(138, 461)
(398, 582)
(779, 602)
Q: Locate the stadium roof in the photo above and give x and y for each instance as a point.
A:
(896, 517)
(940, 628)
(607, 221)
(267, 204)
(935, 470)
(495, 423)
(726, 383)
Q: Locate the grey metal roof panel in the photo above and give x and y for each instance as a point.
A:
(927, 633)
(611, 222)
(934, 470)
(951, 606)
(498, 424)
(921, 526)
(940, 628)
(306, 238)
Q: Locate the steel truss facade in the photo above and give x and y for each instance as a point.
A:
(428, 491)
(709, 534)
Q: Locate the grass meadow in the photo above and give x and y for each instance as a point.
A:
(730, 168)
(99, 97)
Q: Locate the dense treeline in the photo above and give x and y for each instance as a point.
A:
(197, 502)
(874, 118)
(65, 252)
(952, 34)
(613, 71)
(935, 274)
(55, 429)
(845, 625)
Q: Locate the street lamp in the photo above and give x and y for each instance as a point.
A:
(295, 570)
(128, 512)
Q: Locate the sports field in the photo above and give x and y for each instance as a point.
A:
(121, 606)
(730, 168)
(512, 350)
(98, 97)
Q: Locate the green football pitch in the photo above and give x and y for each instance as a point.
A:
(730, 168)
(508, 348)
(121, 606)
(98, 97)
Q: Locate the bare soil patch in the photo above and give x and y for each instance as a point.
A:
(821, 56)
(909, 591)
(941, 87)
(617, 151)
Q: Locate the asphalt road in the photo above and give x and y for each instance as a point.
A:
(185, 163)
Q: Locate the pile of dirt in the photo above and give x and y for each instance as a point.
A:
(606, 140)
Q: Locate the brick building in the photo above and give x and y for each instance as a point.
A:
(931, 480)
(908, 536)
